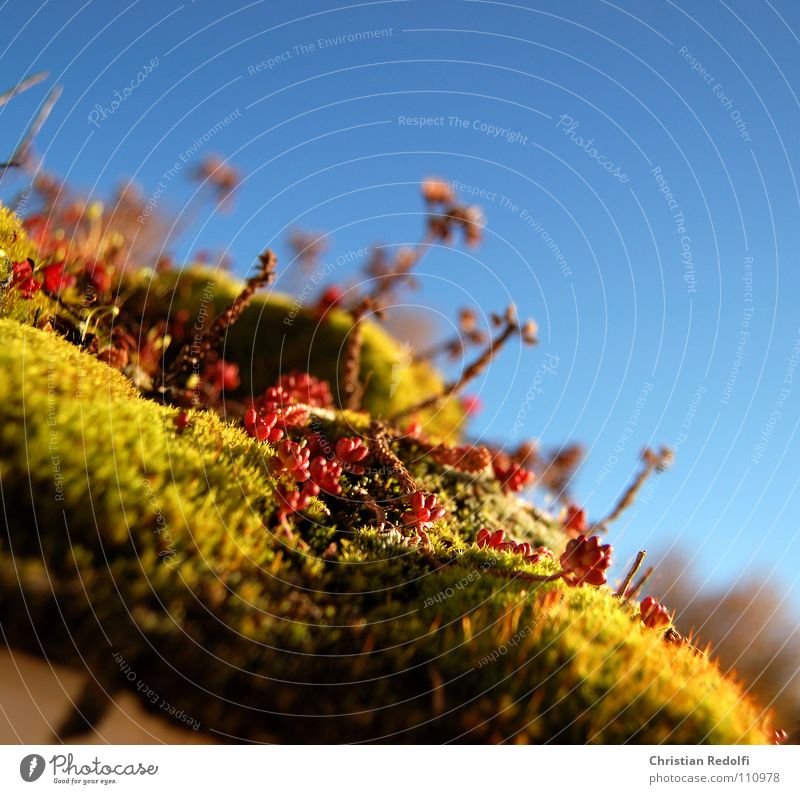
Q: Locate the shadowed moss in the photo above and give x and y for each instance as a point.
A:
(123, 537)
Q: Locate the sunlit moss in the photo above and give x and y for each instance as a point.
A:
(125, 536)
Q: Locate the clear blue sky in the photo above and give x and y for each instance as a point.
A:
(647, 303)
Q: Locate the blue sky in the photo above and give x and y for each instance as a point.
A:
(641, 200)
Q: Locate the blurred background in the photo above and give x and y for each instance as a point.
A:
(635, 164)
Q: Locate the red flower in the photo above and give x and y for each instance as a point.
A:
(352, 451)
(468, 459)
(414, 430)
(293, 500)
(262, 425)
(98, 276)
(326, 474)
(330, 299)
(471, 404)
(222, 376)
(279, 401)
(22, 279)
(55, 277)
(306, 389)
(512, 476)
(540, 553)
(486, 539)
(423, 511)
(293, 460)
(653, 614)
(575, 520)
(181, 421)
(586, 560)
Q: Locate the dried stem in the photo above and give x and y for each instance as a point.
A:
(632, 593)
(651, 461)
(20, 156)
(193, 354)
(380, 448)
(351, 390)
(471, 372)
(404, 262)
(637, 563)
(23, 85)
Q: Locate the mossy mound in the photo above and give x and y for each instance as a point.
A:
(278, 334)
(127, 540)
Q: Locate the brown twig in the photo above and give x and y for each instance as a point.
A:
(23, 85)
(474, 369)
(469, 334)
(631, 594)
(20, 156)
(351, 390)
(637, 563)
(382, 451)
(194, 353)
(651, 461)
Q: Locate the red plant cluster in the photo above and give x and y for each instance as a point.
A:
(261, 425)
(423, 511)
(275, 405)
(331, 298)
(309, 463)
(293, 460)
(293, 500)
(586, 560)
(305, 389)
(222, 375)
(486, 539)
(512, 476)
(53, 278)
(326, 474)
(22, 279)
(654, 615)
(468, 459)
(575, 522)
(352, 451)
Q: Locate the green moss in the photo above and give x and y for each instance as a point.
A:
(126, 537)
(15, 247)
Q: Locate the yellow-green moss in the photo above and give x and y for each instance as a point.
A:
(160, 550)
(15, 247)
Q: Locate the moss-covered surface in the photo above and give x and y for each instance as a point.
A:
(125, 539)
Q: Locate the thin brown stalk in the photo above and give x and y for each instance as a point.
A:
(351, 390)
(632, 593)
(382, 451)
(192, 355)
(651, 461)
(23, 85)
(637, 563)
(20, 156)
(386, 282)
(470, 373)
